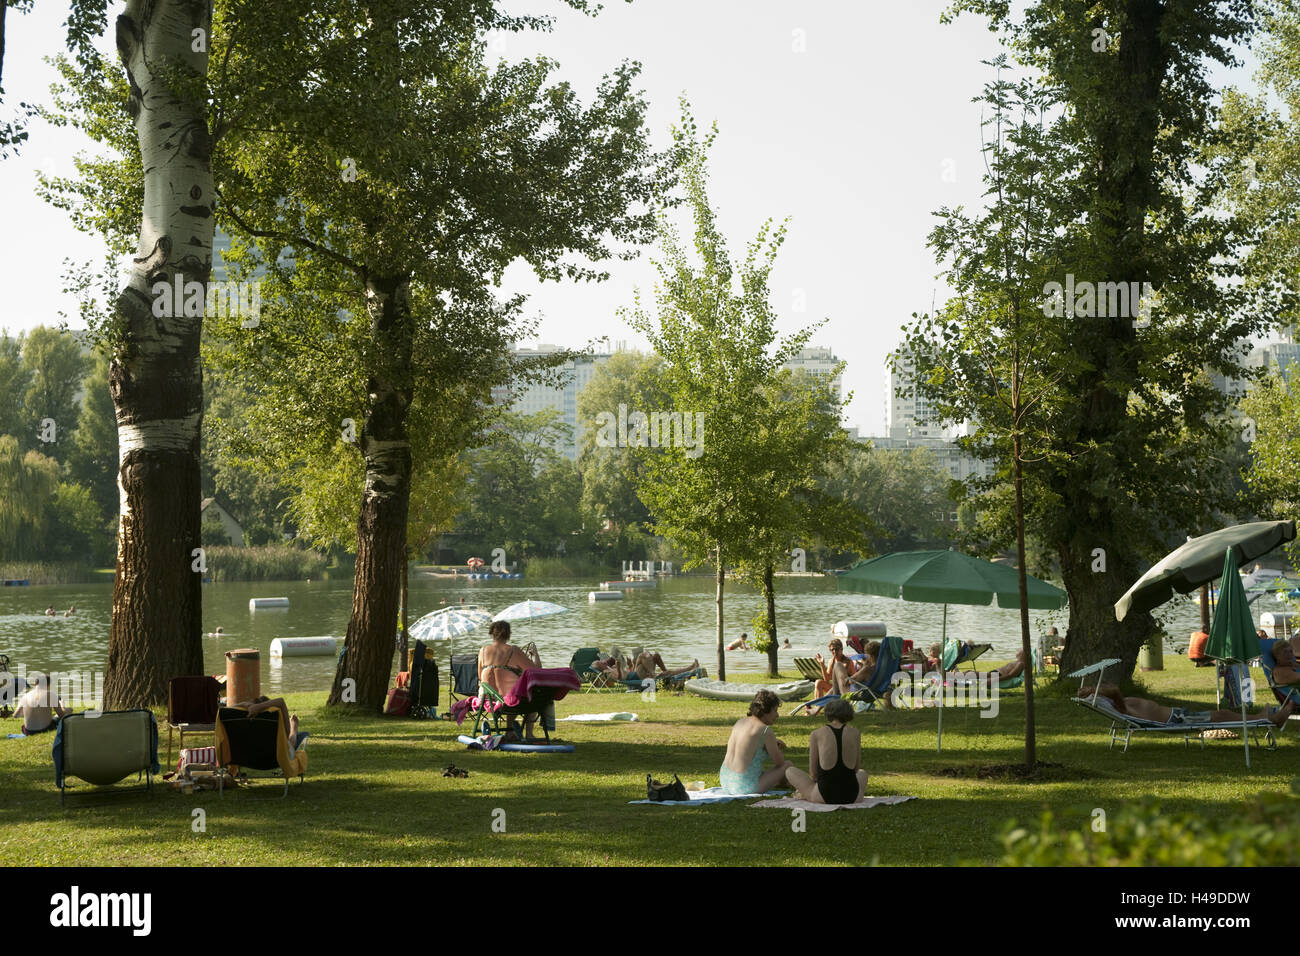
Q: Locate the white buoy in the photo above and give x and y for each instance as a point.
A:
(256, 603)
(594, 596)
(303, 646)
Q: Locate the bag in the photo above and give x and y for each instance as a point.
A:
(399, 702)
(660, 792)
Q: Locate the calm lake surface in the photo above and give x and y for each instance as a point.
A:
(676, 618)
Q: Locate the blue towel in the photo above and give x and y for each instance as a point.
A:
(712, 795)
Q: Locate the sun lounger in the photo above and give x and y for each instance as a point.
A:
(1130, 725)
(808, 668)
(962, 652)
(104, 747)
(1283, 692)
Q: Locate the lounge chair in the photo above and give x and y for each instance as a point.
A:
(104, 747)
(877, 687)
(1130, 725)
(809, 668)
(957, 652)
(581, 662)
(258, 741)
(191, 708)
(1283, 692)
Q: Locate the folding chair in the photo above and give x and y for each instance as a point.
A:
(191, 708)
(104, 747)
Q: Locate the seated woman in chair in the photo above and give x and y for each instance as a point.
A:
(501, 664)
(290, 721)
(835, 773)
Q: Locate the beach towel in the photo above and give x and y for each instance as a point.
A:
(712, 795)
(794, 803)
(591, 718)
(563, 679)
(17, 736)
(462, 707)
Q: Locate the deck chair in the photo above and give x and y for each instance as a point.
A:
(1130, 725)
(957, 652)
(191, 708)
(104, 747)
(1283, 692)
(877, 688)
(581, 662)
(535, 693)
(808, 668)
(1228, 682)
(424, 682)
(259, 742)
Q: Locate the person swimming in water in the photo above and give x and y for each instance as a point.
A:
(50, 612)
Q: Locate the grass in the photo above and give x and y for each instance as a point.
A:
(270, 562)
(375, 794)
(47, 572)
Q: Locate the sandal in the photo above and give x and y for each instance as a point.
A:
(451, 770)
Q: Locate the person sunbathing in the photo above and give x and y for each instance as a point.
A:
(751, 739)
(1145, 709)
(649, 666)
(1284, 664)
(290, 721)
(1008, 671)
(39, 706)
(835, 675)
(835, 774)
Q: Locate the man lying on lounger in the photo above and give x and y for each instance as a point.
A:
(1175, 716)
(1006, 672)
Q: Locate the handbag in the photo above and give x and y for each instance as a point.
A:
(658, 792)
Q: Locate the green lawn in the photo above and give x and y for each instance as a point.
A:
(375, 793)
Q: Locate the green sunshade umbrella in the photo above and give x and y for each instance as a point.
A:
(1232, 632)
(947, 577)
(1199, 561)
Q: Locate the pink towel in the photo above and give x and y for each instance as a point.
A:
(461, 708)
(563, 679)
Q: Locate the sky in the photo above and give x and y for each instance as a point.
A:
(854, 120)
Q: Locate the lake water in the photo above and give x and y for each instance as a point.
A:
(676, 618)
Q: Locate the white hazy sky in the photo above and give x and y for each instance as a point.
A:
(840, 114)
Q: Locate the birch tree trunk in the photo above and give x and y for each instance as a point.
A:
(155, 377)
(362, 675)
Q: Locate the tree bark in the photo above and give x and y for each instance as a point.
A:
(1031, 744)
(722, 643)
(769, 595)
(362, 675)
(1125, 180)
(155, 377)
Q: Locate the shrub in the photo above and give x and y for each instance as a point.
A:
(272, 562)
(1263, 833)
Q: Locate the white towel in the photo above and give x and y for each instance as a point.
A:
(621, 715)
(794, 803)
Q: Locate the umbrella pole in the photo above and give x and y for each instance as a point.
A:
(943, 675)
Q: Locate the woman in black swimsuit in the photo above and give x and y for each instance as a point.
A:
(843, 781)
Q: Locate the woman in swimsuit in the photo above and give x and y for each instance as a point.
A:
(501, 664)
(831, 778)
(751, 738)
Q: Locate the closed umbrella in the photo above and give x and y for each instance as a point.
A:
(947, 577)
(1232, 632)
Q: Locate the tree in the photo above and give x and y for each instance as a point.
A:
(55, 370)
(610, 477)
(14, 378)
(901, 493)
(400, 169)
(798, 438)
(994, 352)
(716, 333)
(1124, 470)
(92, 459)
(28, 485)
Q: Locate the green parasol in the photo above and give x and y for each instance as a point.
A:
(947, 577)
(1232, 632)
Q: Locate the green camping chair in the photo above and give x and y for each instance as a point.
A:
(581, 662)
(104, 747)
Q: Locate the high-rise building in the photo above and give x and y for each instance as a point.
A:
(533, 398)
(820, 362)
(909, 415)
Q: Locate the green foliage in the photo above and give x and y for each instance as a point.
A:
(1266, 833)
(29, 483)
(93, 459)
(55, 367)
(214, 532)
(14, 380)
(902, 495)
(276, 562)
(48, 572)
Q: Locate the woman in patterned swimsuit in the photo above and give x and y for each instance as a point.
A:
(752, 739)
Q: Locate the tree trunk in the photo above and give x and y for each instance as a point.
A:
(1031, 744)
(722, 643)
(1126, 123)
(769, 595)
(404, 644)
(362, 675)
(155, 377)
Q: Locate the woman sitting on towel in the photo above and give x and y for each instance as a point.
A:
(752, 738)
(835, 774)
